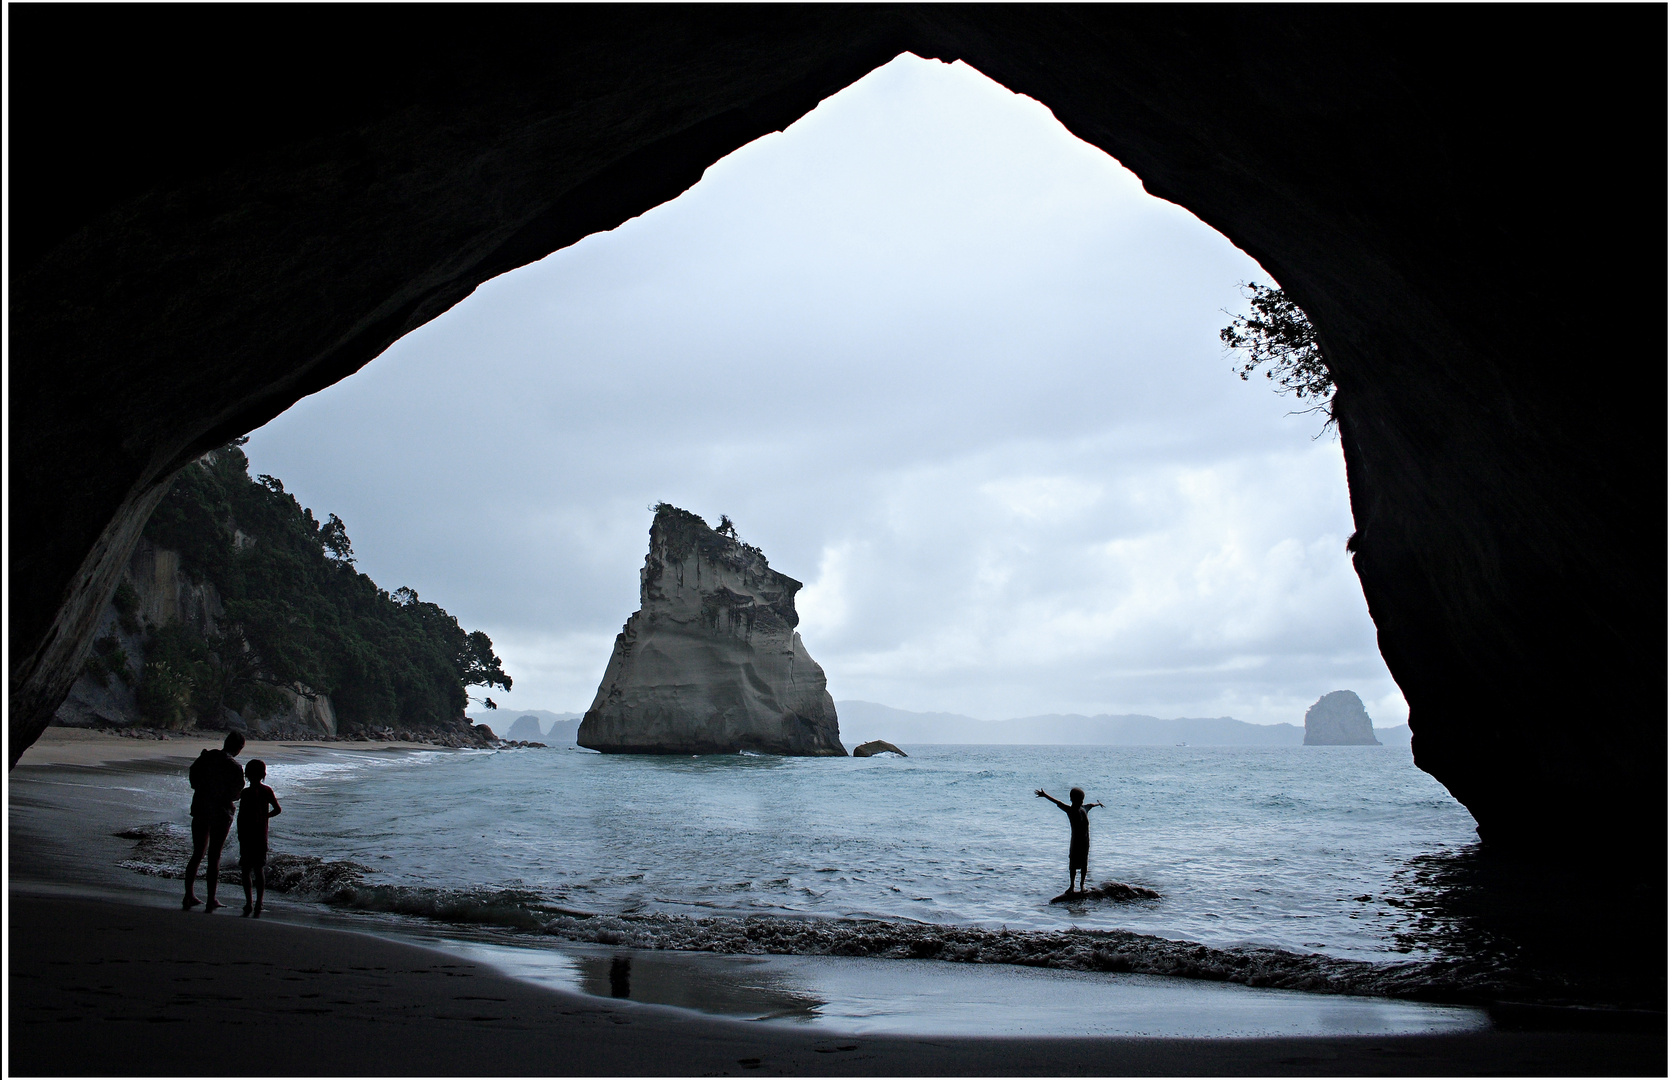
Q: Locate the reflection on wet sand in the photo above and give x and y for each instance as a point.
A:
(739, 986)
(619, 968)
(859, 995)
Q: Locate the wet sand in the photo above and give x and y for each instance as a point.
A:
(102, 980)
(115, 988)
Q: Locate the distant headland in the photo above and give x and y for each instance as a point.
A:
(869, 720)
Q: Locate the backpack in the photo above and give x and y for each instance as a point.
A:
(211, 778)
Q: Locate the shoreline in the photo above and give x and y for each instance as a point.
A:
(155, 842)
(97, 746)
(73, 948)
(160, 849)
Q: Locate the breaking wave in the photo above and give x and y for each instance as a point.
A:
(162, 850)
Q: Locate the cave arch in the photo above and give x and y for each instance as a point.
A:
(200, 241)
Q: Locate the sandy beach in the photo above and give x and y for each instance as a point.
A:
(116, 980)
(86, 746)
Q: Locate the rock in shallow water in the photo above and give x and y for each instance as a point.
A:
(878, 746)
(711, 662)
(1110, 890)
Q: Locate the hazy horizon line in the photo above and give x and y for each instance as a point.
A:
(963, 716)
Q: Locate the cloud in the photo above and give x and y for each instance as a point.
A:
(942, 361)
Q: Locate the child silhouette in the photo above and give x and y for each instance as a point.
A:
(1080, 833)
(255, 806)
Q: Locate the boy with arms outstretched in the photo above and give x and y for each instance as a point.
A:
(1080, 833)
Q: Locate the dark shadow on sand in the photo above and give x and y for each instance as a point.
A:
(1578, 933)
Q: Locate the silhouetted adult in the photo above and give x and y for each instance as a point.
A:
(1080, 832)
(216, 783)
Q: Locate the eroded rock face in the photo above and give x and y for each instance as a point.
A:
(159, 593)
(878, 746)
(711, 662)
(1338, 719)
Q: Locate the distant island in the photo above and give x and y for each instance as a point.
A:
(711, 662)
(1339, 719)
(555, 729)
(868, 720)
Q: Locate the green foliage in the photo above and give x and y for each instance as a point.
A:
(680, 530)
(299, 612)
(165, 695)
(178, 668)
(1277, 335)
(109, 658)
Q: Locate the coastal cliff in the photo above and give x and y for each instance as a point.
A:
(238, 610)
(711, 662)
(1338, 719)
(157, 596)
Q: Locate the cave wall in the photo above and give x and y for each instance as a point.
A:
(1471, 211)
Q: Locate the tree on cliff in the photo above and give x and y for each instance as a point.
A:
(1277, 335)
(298, 612)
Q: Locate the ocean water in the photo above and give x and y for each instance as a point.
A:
(1307, 849)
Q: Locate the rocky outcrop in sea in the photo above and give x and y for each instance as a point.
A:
(1339, 719)
(711, 662)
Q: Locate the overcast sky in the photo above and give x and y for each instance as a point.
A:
(945, 364)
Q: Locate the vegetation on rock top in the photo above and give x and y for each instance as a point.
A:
(680, 532)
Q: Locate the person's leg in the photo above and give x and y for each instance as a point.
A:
(200, 840)
(212, 872)
(244, 879)
(261, 887)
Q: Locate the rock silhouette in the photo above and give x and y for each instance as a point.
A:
(877, 746)
(711, 662)
(1109, 890)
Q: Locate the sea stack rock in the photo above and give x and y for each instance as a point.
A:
(1339, 719)
(711, 662)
